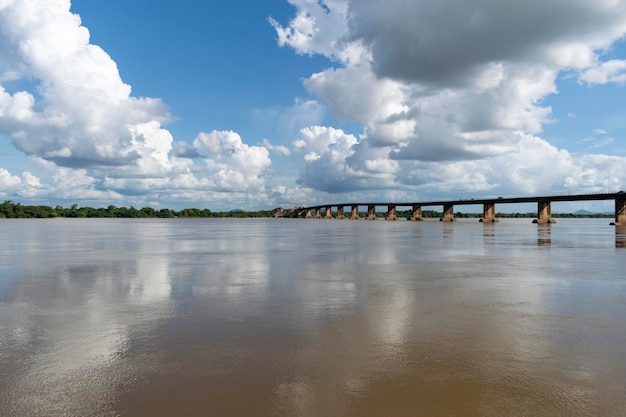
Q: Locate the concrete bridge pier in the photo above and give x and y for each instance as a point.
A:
(354, 214)
(489, 213)
(391, 213)
(308, 214)
(544, 213)
(448, 213)
(620, 212)
(417, 213)
(329, 213)
(340, 215)
(371, 212)
(318, 213)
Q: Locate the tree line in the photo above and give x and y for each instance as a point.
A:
(11, 210)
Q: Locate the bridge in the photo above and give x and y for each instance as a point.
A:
(489, 204)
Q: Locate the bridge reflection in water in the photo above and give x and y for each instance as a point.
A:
(620, 237)
(544, 215)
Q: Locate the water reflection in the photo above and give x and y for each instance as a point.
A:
(489, 233)
(544, 234)
(75, 307)
(620, 236)
(311, 318)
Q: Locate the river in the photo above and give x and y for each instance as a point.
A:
(292, 317)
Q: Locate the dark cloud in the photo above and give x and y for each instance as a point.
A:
(449, 42)
(184, 150)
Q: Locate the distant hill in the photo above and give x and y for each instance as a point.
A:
(582, 212)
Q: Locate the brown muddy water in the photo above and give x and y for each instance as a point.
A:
(270, 317)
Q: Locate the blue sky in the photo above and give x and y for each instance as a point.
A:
(256, 105)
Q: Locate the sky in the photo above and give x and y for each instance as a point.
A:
(255, 105)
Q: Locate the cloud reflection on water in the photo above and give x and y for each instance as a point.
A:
(306, 318)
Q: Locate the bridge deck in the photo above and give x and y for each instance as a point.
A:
(543, 203)
(498, 200)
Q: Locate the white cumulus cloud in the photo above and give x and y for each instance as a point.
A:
(233, 164)
(7, 180)
(613, 71)
(76, 119)
(82, 113)
(451, 93)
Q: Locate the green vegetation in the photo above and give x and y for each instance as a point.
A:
(11, 210)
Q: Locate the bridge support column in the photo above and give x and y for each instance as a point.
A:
(620, 213)
(308, 214)
(329, 213)
(489, 213)
(448, 213)
(544, 213)
(391, 213)
(371, 212)
(417, 213)
(354, 213)
(318, 213)
(340, 215)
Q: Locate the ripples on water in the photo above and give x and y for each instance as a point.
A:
(311, 318)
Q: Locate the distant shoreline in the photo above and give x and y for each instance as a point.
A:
(11, 210)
